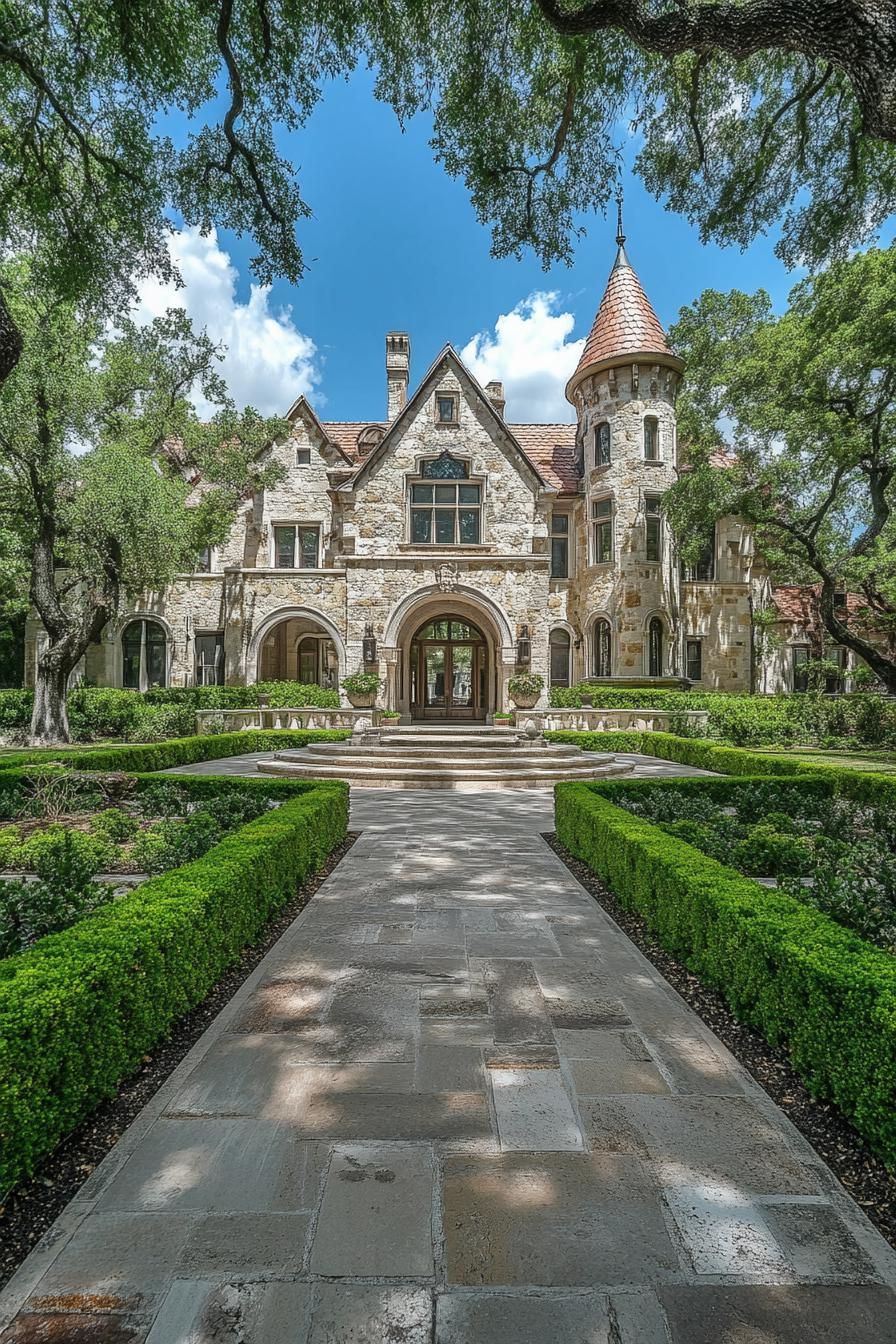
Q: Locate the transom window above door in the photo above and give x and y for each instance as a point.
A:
(447, 513)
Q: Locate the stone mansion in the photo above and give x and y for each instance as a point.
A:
(446, 549)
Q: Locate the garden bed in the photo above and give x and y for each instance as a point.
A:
(80, 1009)
(807, 983)
(31, 1209)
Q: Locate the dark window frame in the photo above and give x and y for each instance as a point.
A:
(655, 639)
(653, 528)
(603, 530)
(602, 444)
(560, 639)
(601, 647)
(429, 518)
(300, 551)
(559, 539)
(454, 399)
(651, 432)
(799, 675)
(693, 641)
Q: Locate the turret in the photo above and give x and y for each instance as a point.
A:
(623, 390)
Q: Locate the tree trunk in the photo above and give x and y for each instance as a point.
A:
(49, 719)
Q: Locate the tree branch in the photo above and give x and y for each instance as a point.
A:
(859, 39)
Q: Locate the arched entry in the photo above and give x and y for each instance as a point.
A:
(448, 668)
(296, 644)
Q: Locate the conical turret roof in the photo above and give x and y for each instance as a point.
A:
(626, 326)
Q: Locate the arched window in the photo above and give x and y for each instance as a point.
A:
(602, 444)
(144, 660)
(600, 648)
(655, 647)
(651, 439)
(560, 661)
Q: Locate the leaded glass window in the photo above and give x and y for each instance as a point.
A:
(297, 547)
(446, 514)
(445, 468)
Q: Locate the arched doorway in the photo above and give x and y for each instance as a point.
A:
(299, 648)
(448, 670)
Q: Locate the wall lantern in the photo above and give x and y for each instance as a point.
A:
(369, 645)
(524, 646)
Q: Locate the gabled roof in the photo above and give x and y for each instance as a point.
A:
(447, 356)
(625, 326)
(301, 408)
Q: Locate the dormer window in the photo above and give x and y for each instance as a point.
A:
(651, 439)
(303, 457)
(446, 408)
(602, 444)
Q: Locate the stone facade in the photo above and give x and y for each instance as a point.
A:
(336, 551)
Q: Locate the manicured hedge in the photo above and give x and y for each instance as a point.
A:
(785, 968)
(139, 756)
(757, 720)
(109, 711)
(80, 1009)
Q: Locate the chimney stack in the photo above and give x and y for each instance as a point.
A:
(398, 369)
(495, 393)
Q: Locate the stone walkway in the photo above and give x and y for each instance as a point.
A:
(454, 1103)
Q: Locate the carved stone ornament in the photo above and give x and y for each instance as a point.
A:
(446, 577)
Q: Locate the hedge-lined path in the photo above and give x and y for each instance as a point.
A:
(455, 1103)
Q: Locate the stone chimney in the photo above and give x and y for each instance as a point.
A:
(398, 369)
(495, 393)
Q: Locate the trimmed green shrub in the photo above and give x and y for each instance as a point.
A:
(114, 825)
(767, 852)
(160, 723)
(80, 1009)
(138, 757)
(785, 968)
(174, 842)
(756, 720)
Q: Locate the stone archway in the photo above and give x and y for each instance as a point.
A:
(492, 664)
(297, 644)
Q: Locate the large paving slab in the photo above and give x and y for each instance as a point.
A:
(455, 1104)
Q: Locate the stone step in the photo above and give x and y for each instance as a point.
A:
(499, 738)
(514, 756)
(439, 775)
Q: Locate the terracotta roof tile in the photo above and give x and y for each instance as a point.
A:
(799, 602)
(626, 323)
(551, 448)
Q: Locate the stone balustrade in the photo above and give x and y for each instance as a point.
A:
(610, 720)
(240, 720)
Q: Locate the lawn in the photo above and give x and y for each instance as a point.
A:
(882, 761)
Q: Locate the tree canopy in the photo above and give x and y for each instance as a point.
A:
(806, 402)
(100, 447)
(750, 112)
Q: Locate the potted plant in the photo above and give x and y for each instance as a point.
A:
(361, 689)
(525, 688)
(391, 715)
(503, 720)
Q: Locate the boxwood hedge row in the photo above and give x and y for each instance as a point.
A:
(80, 1009)
(139, 756)
(786, 969)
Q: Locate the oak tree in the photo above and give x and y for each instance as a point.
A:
(790, 422)
(100, 448)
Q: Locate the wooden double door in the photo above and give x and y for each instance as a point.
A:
(449, 671)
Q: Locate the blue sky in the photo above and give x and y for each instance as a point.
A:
(394, 244)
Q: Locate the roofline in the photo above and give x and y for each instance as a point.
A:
(447, 352)
(663, 358)
(303, 404)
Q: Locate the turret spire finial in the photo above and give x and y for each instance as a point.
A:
(620, 235)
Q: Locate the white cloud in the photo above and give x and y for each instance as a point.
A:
(268, 361)
(531, 354)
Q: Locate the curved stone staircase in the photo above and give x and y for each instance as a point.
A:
(445, 758)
